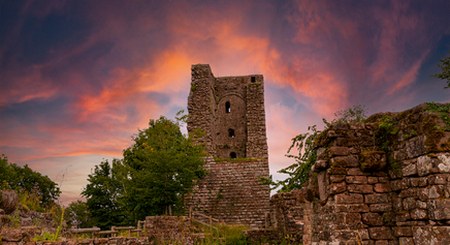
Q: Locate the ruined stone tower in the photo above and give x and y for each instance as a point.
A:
(228, 112)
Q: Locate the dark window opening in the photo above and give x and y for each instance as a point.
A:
(227, 107)
(233, 155)
(253, 79)
(231, 133)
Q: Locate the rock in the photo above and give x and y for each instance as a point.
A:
(8, 201)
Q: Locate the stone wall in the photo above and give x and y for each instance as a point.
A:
(384, 181)
(227, 115)
(232, 192)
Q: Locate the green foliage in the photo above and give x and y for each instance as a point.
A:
(152, 179)
(78, 215)
(162, 166)
(103, 193)
(386, 131)
(299, 171)
(349, 115)
(445, 70)
(25, 180)
(225, 234)
(444, 112)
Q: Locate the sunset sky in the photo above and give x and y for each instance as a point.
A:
(79, 78)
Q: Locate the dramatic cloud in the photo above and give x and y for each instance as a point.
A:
(79, 78)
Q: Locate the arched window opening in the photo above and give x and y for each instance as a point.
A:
(231, 133)
(233, 154)
(227, 107)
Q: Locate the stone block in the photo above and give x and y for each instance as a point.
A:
(355, 171)
(409, 203)
(337, 171)
(382, 187)
(351, 198)
(356, 179)
(444, 164)
(436, 191)
(337, 178)
(424, 165)
(320, 165)
(439, 209)
(380, 233)
(380, 207)
(338, 187)
(355, 188)
(438, 179)
(418, 214)
(372, 219)
(351, 208)
(425, 235)
(397, 185)
(418, 182)
(409, 170)
(372, 180)
(338, 151)
(373, 160)
(376, 198)
(403, 231)
(406, 240)
(345, 161)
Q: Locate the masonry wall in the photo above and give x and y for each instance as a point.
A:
(385, 181)
(227, 115)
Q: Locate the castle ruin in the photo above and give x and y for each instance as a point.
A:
(228, 113)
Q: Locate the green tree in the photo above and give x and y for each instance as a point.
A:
(445, 73)
(102, 195)
(162, 166)
(24, 179)
(77, 215)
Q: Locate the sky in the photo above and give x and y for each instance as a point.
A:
(79, 78)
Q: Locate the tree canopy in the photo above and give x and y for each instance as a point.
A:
(25, 180)
(153, 177)
(445, 70)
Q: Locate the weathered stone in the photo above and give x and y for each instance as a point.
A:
(424, 235)
(418, 182)
(403, 231)
(8, 201)
(349, 198)
(372, 180)
(351, 208)
(373, 160)
(439, 209)
(409, 170)
(355, 188)
(438, 179)
(409, 203)
(230, 113)
(320, 165)
(382, 187)
(380, 207)
(376, 198)
(406, 240)
(419, 214)
(372, 219)
(337, 171)
(338, 187)
(380, 233)
(444, 165)
(424, 165)
(345, 161)
(436, 191)
(339, 151)
(356, 179)
(355, 171)
(337, 178)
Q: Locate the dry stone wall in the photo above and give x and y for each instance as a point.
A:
(384, 181)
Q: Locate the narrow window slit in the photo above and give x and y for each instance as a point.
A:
(233, 154)
(227, 107)
(231, 133)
